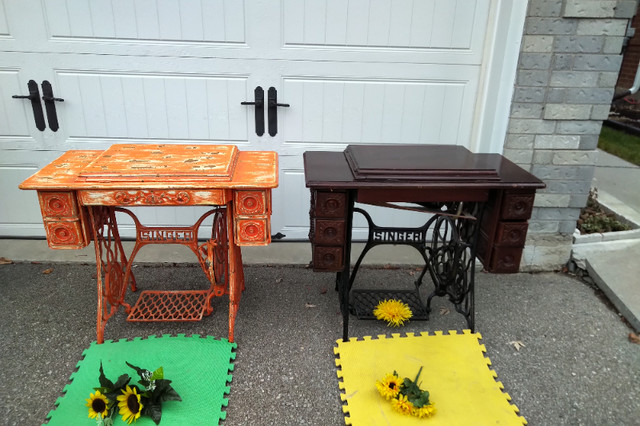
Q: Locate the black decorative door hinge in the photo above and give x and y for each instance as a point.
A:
(34, 97)
(258, 96)
(50, 105)
(272, 110)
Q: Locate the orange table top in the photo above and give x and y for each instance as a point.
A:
(138, 166)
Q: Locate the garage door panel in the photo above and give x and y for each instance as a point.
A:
(153, 106)
(208, 21)
(16, 115)
(332, 111)
(388, 25)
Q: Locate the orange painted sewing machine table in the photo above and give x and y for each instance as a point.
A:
(80, 192)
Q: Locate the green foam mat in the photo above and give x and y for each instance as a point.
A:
(199, 368)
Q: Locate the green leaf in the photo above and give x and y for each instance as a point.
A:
(104, 382)
(158, 374)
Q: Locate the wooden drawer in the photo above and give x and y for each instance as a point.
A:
(516, 206)
(505, 260)
(152, 197)
(65, 234)
(329, 204)
(511, 234)
(327, 258)
(252, 202)
(58, 204)
(328, 231)
(252, 231)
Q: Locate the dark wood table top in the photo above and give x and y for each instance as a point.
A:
(413, 166)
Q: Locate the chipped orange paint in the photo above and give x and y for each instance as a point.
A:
(80, 191)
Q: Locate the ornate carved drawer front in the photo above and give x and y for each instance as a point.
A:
(327, 258)
(252, 231)
(252, 202)
(152, 197)
(512, 233)
(506, 259)
(63, 220)
(252, 210)
(329, 232)
(517, 206)
(330, 204)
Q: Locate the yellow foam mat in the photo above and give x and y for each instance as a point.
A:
(456, 373)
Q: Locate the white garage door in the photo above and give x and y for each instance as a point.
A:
(150, 71)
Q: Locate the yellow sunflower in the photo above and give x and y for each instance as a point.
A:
(130, 405)
(98, 404)
(425, 411)
(389, 386)
(393, 311)
(402, 404)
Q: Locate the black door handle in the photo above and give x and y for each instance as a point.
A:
(272, 110)
(34, 97)
(50, 105)
(258, 96)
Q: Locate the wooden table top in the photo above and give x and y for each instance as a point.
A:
(154, 166)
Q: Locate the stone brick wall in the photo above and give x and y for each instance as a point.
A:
(569, 62)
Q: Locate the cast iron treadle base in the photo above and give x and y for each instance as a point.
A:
(169, 306)
(363, 302)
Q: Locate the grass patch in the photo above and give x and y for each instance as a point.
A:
(620, 144)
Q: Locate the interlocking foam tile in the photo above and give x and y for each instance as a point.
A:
(198, 367)
(456, 374)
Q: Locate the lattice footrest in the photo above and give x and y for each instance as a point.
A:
(363, 302)
(169, 306)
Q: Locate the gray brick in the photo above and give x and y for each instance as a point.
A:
(519, 156)
(600, 112)
(597, 62)
(589, 141)
(578, 44)
(608, 79)
(531, 126)
(556, 95)
(589, 9)
(537, 43)
(611, 27)
(567, 112)
(529, 94)
(519, 141)
(557, 142)
(545, 172)
(549, 8)
(550, 26)
(542, 157)
(568, 186)
(613, 45)
(535, 61)
(589, 96)
(578, 200)
(552, 200)
(543, 227)
(562, 62)
(574, 79)
(575, 158)
(557, 213)
(585, 127)
(533, 78)
(567, 226)
(626, 9)
(526, 110)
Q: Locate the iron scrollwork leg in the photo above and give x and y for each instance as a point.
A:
(111, 265)
(452, 260)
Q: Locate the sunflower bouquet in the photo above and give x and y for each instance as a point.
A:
(393, 311)
(405, 395)
(130, 400)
